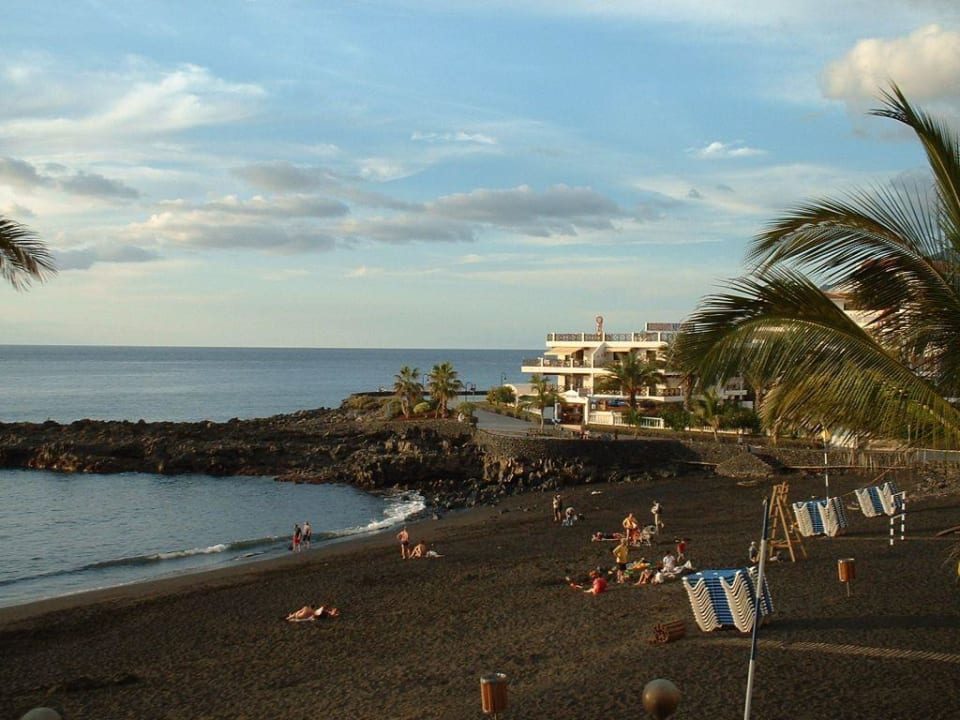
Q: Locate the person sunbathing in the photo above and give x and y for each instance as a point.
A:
(308, 613)
(595, 580)
(601, 536)
(646, 576)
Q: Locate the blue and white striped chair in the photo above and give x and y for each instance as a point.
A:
(721, 598)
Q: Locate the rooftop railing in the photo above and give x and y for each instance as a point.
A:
(635, 337)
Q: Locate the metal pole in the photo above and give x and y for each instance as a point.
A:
(826, 469)
(757, 610)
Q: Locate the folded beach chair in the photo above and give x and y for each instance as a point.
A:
(721, 598)
(879, 499)
(820, 517)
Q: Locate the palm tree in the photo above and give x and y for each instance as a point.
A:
(544, 396)
(708, 409)
(23, 258)
(633, 374)
(895, 254)
(407, 388)
(444, 385)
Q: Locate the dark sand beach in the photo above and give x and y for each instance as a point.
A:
(414, 637)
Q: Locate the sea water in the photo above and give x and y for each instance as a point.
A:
(68, 533)
(65, 533)
(67, 383)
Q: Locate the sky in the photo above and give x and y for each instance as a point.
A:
(427, 173)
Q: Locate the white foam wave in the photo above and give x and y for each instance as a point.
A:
(399, 508)
(192, 551)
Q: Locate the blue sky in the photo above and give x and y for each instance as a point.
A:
(417, 173)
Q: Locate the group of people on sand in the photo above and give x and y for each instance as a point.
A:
(301, 537)
(420, 550)
(640, 572)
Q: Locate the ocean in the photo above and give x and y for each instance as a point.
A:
(65, 533)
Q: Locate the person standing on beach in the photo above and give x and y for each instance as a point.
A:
(404, 537)
(620, 554)
(307, 535)
(657, 510)
(297, 536)
(557, 508)
(631, 528)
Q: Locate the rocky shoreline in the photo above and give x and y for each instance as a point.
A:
(450, 463)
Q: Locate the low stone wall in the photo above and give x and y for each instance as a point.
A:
(649, 452)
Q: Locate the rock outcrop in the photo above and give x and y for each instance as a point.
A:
(744, 465)
(441, 459)
(450, 463)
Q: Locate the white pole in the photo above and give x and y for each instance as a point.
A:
(757, 613)
(826, 470)
(903, 515)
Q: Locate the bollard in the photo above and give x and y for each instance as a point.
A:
(847, 571)
(493, 693)
(661, 698)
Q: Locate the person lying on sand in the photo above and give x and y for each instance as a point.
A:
(307, 613)
(596, 582)
(602, 536)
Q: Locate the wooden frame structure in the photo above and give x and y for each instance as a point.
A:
(782, 525)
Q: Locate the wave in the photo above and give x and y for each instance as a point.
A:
(403, 507)
(400, 508)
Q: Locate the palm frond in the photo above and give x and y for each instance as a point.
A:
(23, 256)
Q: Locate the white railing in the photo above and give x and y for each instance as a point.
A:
(616, 419)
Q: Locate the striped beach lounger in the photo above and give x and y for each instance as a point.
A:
(725, 598)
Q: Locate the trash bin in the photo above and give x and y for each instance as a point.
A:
(846, 569)
(493, 693)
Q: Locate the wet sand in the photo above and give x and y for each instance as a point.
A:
(414, 637)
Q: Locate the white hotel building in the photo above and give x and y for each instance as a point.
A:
(576, 361)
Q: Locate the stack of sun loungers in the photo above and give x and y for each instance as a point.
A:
(879, 499)
(820, 517)
(726, 598)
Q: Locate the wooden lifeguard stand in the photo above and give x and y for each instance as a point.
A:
(782, 526)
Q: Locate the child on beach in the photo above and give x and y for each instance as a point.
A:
(297, 536)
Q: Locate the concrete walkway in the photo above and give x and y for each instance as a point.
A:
(504, 424)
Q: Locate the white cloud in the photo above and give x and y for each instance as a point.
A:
(457, 137)
(142, 102)
(717, 150)
(383, 169)
(925, 64)
(14, 210)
